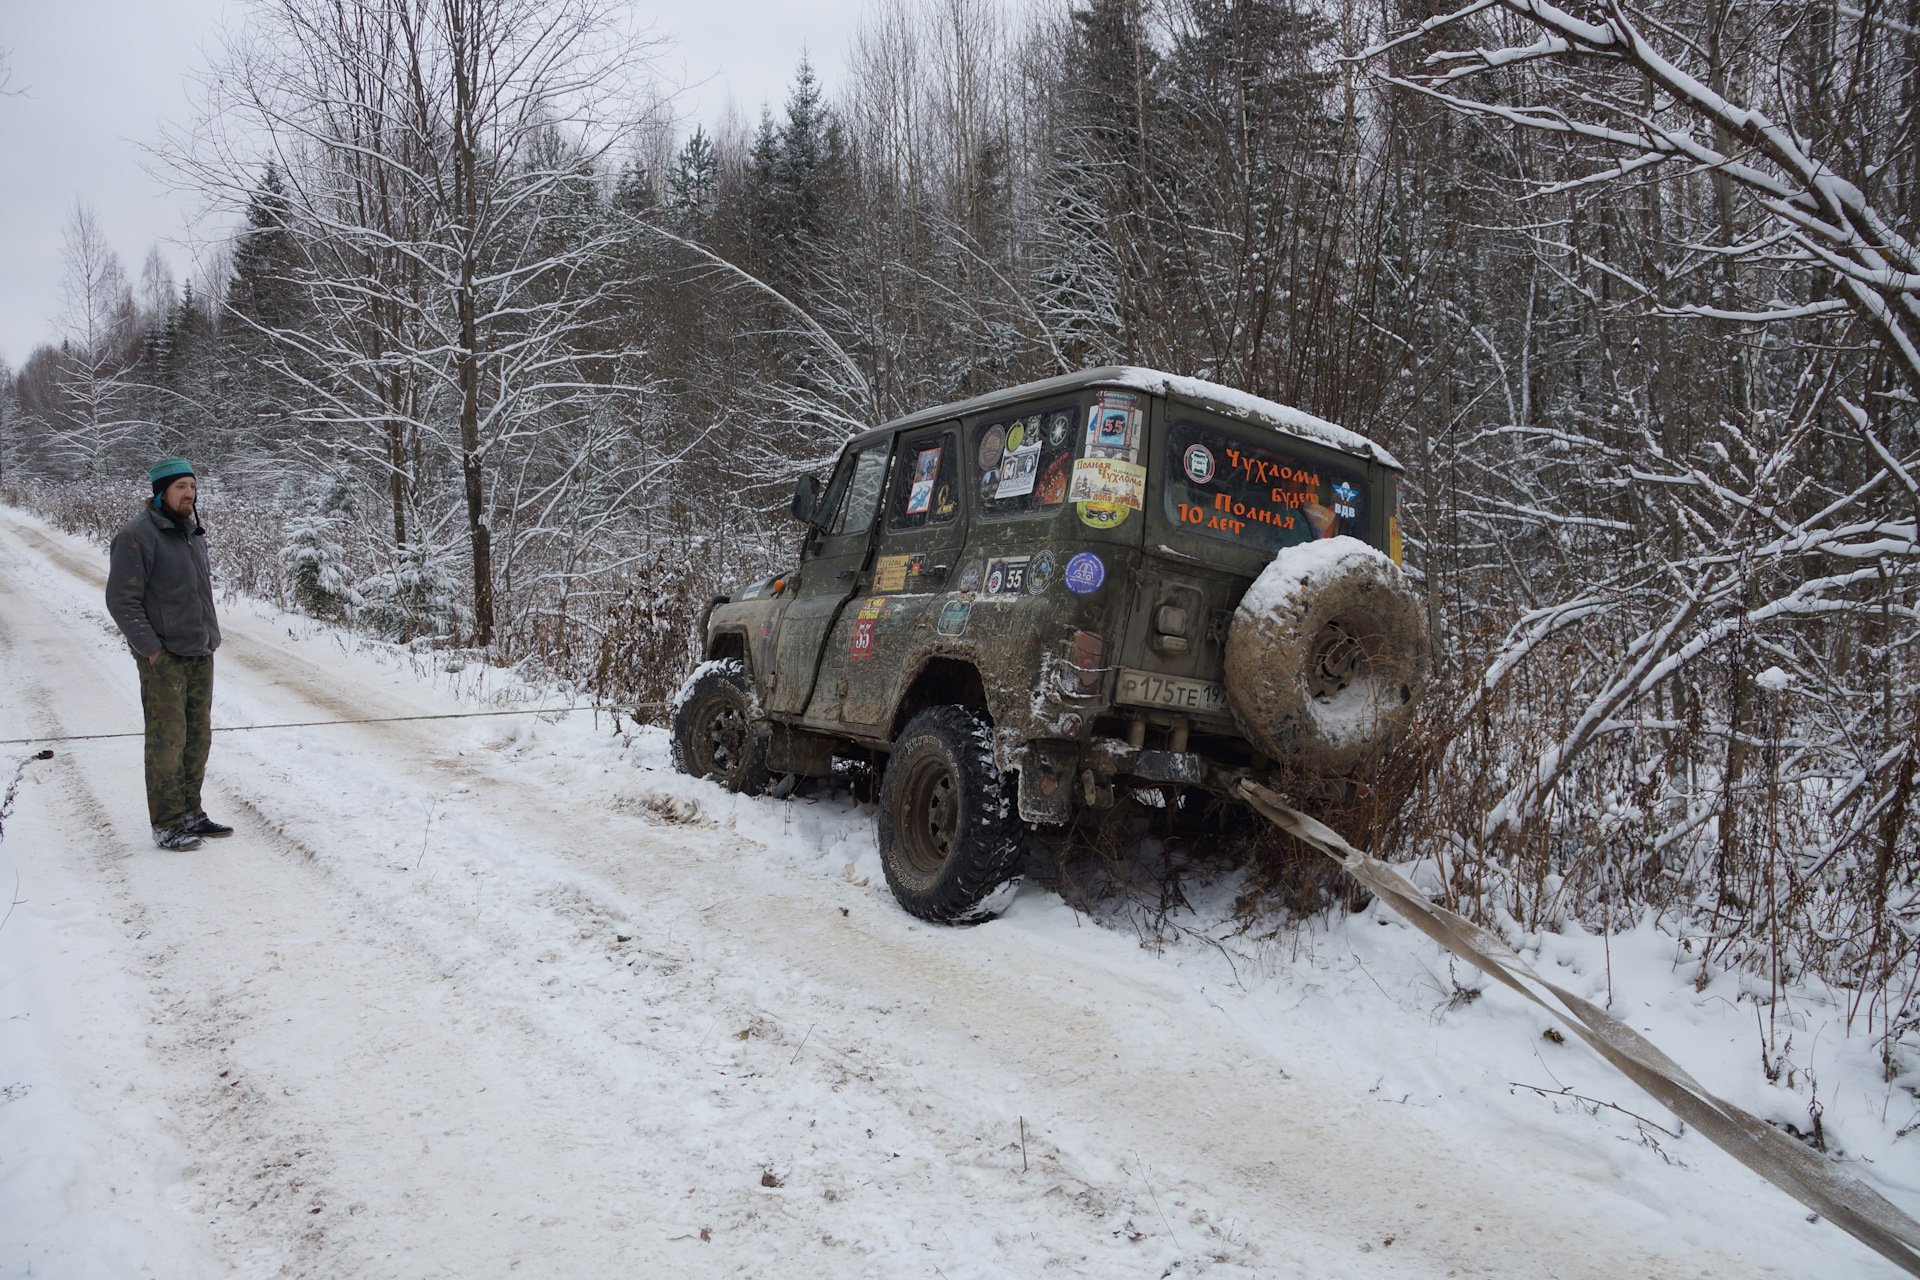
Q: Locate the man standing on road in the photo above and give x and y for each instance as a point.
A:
(160, 592)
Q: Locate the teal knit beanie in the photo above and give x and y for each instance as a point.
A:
(166, 471)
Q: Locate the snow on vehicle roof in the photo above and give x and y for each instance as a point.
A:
(1207, 395)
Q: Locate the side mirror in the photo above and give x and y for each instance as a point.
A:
(806, 498)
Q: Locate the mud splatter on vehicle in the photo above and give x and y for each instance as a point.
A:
(1015, 603)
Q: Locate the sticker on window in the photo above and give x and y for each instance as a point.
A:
(925, 467)
(1020, 466)
(992, 445)
(1113, 426)
(1256, 495)
(1051, 490)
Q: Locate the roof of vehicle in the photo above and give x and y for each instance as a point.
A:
(1211, 396)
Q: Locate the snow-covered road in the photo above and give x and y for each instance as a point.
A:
(508, 996)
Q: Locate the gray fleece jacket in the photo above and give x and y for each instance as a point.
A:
(159, 587)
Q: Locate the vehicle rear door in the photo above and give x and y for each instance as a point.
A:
(835, 557)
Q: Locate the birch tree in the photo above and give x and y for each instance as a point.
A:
(429, 148)
(99, 421)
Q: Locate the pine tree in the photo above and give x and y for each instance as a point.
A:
(692, 186)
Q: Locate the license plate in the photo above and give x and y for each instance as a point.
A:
(1145, 689)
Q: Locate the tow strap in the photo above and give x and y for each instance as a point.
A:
(1812, 1180)
(629, 709)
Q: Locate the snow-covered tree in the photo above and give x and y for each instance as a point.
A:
(98, 422)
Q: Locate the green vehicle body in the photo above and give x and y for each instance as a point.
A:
(1114, 677)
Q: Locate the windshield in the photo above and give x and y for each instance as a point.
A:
(863, 492)
(1254, 493)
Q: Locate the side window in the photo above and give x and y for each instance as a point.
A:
(1022, 465)
(863, 491)
(925, 491)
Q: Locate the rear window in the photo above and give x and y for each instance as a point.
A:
(1254, 494)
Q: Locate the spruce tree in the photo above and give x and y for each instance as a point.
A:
(263, 292)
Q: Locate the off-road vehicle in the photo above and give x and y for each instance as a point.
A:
(1021, 603)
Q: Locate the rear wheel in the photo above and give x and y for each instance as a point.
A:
(713, 729)
(949, 836)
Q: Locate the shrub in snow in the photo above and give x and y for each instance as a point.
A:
(321, 582)
(414, 598)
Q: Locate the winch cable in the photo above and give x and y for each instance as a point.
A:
(1814, 1181)
(318, 724)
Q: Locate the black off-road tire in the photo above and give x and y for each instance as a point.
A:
(714, 732)
(948, 828)
(1326, 676)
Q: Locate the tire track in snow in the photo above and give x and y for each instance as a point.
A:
(942, 1038)
(190, 1024)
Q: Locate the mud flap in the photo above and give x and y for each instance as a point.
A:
(793, 751)
(1047, 771)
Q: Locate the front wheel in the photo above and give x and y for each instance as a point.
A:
(713, 729)
(949, 836)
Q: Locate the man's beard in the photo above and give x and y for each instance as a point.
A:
(175, 512)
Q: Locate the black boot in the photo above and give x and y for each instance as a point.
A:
(201, 825)
(180, 837)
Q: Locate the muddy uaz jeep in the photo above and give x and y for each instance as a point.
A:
(1020, 603)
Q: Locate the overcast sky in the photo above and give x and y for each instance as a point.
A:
(101, 75)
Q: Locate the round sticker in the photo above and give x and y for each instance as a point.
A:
(970, 577)
(1016, 436)
(1039, 572)
(992, 445)
(996, 575)
(989, 481)
(1199, 462)
(1085, 572)
(1057, 427)
(1102, 515)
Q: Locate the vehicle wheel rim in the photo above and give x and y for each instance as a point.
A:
(929, 816)
(722, 739)
(1337, 657)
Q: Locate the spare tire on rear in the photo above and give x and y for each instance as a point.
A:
(1327, 657)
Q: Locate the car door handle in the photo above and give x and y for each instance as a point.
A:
(844, 574)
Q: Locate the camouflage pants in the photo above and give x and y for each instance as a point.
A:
(177, 695)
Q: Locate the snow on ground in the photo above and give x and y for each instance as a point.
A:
(508, 996)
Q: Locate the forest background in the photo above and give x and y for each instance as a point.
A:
(504, 362)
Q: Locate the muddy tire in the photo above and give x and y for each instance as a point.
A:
(948, 831)
(1327, 657)
(714, 734)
